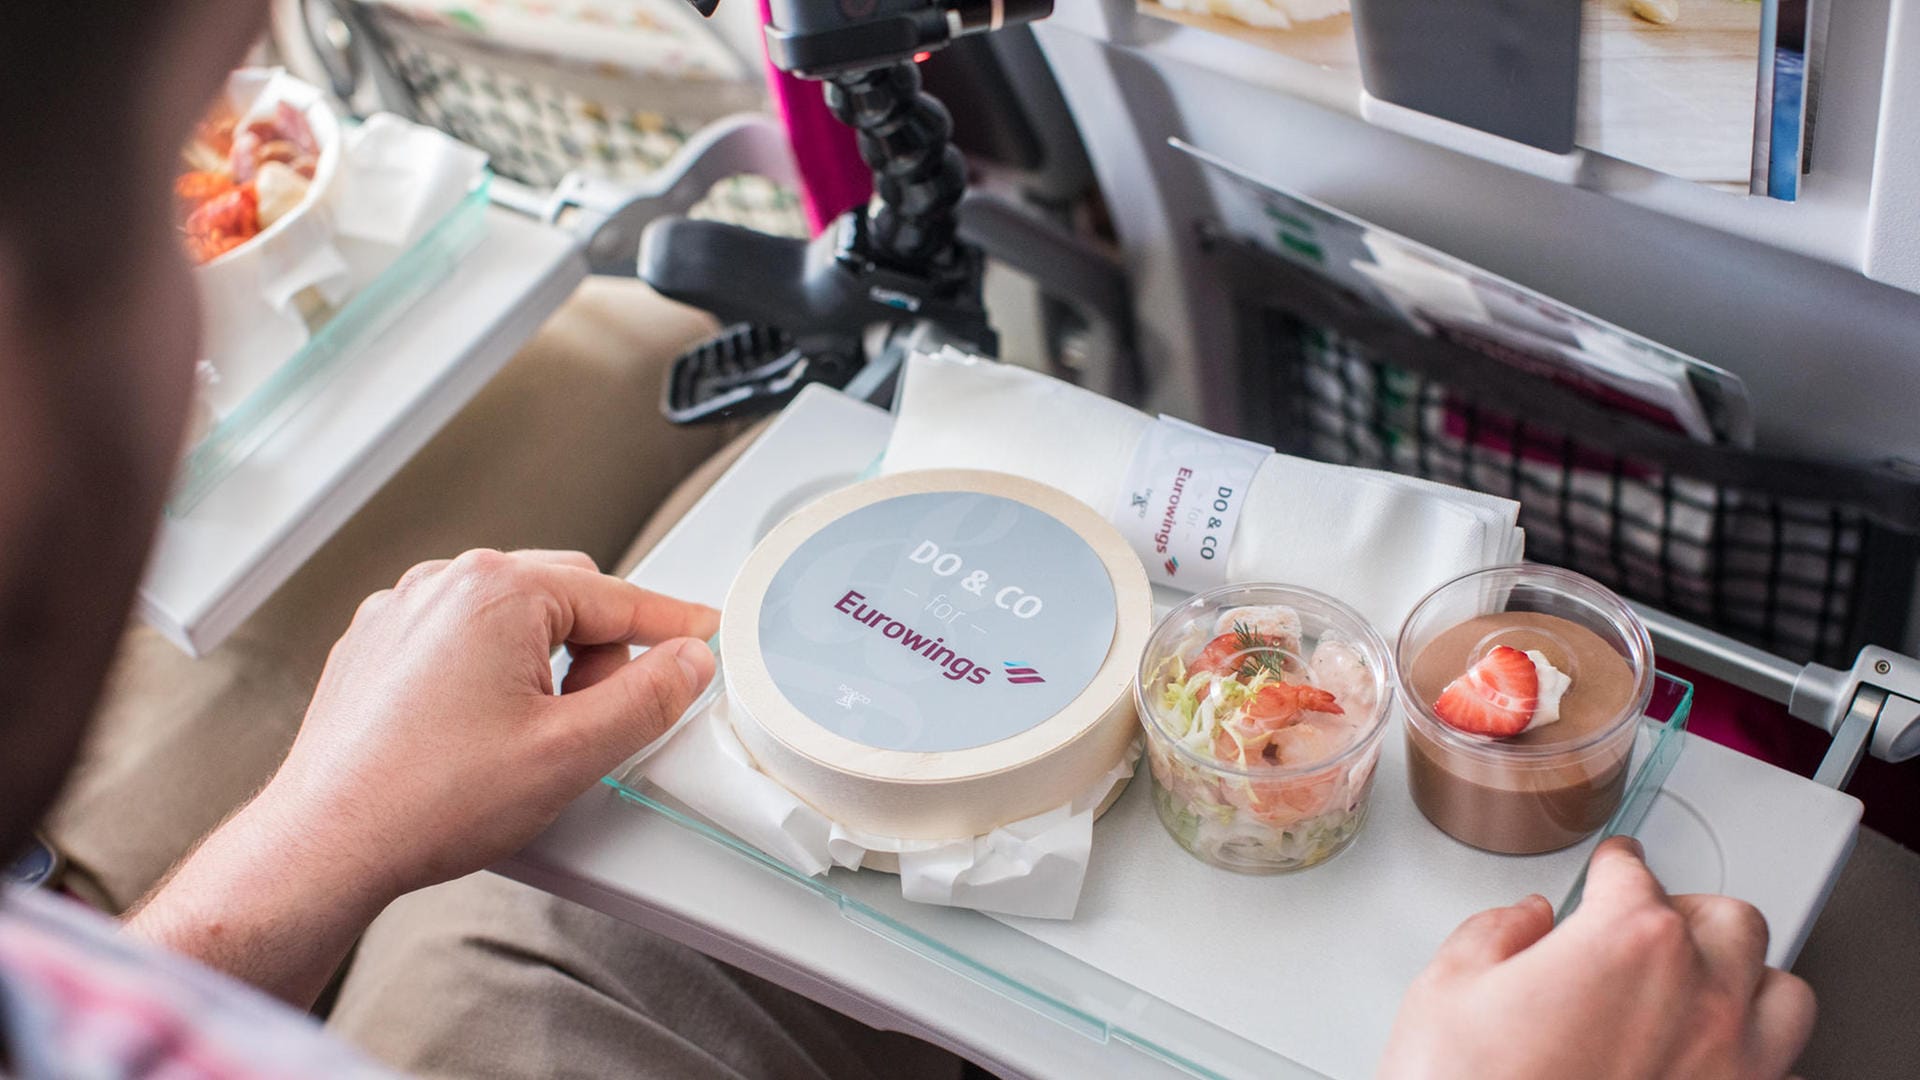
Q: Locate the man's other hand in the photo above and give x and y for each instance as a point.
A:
(1634, 984)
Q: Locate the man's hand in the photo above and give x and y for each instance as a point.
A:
(1634, 984)
(434, 746)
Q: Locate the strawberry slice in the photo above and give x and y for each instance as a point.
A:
(1495, 697)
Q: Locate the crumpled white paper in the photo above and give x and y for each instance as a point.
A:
(1034, 867)
(399, 179)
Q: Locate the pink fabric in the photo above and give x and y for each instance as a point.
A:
(833, 178)
(79, 999)
(1760, 728)
(1739, 720)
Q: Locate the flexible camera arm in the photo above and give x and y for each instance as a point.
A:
(800, 312)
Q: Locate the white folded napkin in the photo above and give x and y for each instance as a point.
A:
(1378, 541)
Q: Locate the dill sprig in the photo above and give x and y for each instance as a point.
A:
(1261, 655)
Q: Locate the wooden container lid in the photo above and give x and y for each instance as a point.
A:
(931, 655)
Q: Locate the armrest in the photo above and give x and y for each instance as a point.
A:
(610, 216)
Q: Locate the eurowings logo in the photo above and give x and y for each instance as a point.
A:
(1020, 673)
(1173, 566)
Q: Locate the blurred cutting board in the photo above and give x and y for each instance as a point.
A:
(1676, 98)
(1326, 43)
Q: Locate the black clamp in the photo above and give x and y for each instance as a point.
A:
(799, 313)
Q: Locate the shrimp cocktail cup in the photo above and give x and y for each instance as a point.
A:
(1264, 707)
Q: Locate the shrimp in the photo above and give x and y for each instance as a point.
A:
(1266, 800)
(222, 223)
(1225, 747)
(195, 188)
(1272, 621)
(1290, 725)
(1285, 724)
(1243, 652)
(1221, 656)
(284, 137)
(1276, 625)
(1279, 705)
(1341, 668)
(1312, 795)
(1229, 746)
(1282, 801)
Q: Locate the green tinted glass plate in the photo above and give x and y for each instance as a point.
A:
(331, 349)
(1082, 997)
(1660, 740)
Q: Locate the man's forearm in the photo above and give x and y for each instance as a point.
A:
(265, 901)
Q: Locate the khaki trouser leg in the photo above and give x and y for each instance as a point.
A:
(486, 977)
(564, 449)
(684, 495)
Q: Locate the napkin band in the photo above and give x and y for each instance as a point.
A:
(1180, 500)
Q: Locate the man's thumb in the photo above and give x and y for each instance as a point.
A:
(633, 705)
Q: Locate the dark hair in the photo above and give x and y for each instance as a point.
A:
(81, 181)
(70, 117)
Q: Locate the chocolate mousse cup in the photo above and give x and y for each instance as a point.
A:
(1552, 785)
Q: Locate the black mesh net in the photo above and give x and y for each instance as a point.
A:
(1785, 574)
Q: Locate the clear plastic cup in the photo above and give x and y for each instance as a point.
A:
(1551, 786)
(1252, 771)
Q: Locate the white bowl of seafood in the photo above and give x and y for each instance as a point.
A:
(252, 196)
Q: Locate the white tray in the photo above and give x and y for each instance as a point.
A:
(1317, 990)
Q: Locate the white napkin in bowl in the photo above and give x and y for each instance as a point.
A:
(399, 180)
(1378, 541)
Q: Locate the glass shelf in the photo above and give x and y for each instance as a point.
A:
(368, 312)
(1097, 1004)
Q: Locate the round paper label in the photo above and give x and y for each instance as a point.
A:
(937, 621)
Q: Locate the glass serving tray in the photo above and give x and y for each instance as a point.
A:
(361, 318)
(1013, 957)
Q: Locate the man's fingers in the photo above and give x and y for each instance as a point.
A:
(1732, 936)
(592, 664)
(579, 559)
(420, 572)
(583, 606)
(631, 706)
(1783, 1012)
(1492, 936)
(1618, 879)
(591, 608)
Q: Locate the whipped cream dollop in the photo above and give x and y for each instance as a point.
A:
(1553, 686)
